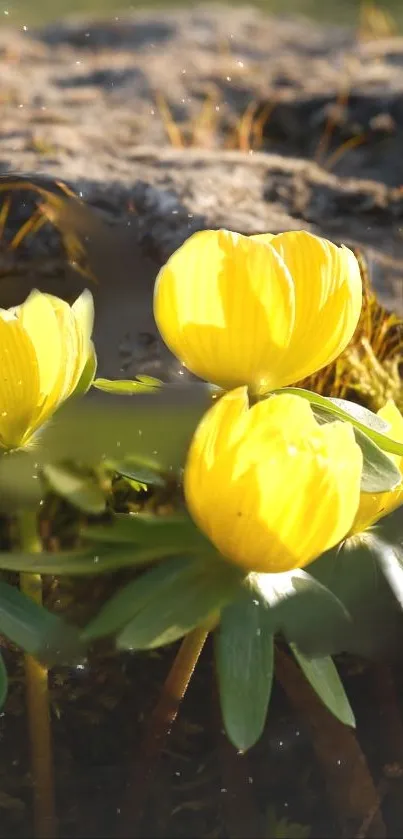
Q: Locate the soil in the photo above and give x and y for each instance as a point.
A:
(85, 102)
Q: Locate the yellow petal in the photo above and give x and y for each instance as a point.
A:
(263, 310)
(19, 382)
(270, 487)
(83, 310)
(69, 344)
(83, 313)
(374, 507)
(328, 300)
(60, 337)
(39, 321)
(224, 305)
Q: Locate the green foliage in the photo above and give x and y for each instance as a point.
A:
(79, 487)
(244, 660)
(143, 530)
(379, 473)
(142, 384)
(355, 575)
(363, 419)
(34, 629)
(80, 562)
(325, 680)
(390, 561)
(165, 603)
(303, 610)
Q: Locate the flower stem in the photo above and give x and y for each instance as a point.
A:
(36, 676)
(349, 783)
(159, 727)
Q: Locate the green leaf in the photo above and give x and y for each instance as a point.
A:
(362, 415)
(244, 659)
(353, 575)
(165, 602)
(179, 604)
(79, 488)
(127, 541)
(83, 562)
(390, 561)
(3, 682)
(372, 425)
(379, 473)
(143, 384)
(88, 375)
(143, 475)
(305, 611)
(325, 680)
(34, 629)
(149, 531)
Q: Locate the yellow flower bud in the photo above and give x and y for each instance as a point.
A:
(269, 486)
(263, 311)
(44, 346)
(374, 507)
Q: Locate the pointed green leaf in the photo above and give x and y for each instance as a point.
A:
(83, 562)
(299, 605)
(372, 425)
(165, 602)
(80, 489)
(195, 597)
(244, 660)
(362, 415)
(143, 475)
(325, 680)
(120, 609)
(143, 384)
(149, 531)
(3, 682)
(353, 574)
(390, 561)
(379, 473)
(34, 629)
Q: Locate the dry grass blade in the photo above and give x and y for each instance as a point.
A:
(369, 368)
(63, 208)
(172, 129)
(350, 144)
(331, 122)
(375, 23)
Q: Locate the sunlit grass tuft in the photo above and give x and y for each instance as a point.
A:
(368, 371)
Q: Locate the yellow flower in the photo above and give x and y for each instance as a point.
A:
(44, 346)
(374, 507)
(269, 486)
(263, 311)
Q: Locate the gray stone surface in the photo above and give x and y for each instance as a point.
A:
(83, 102)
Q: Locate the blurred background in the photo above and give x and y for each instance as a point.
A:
(31, 12)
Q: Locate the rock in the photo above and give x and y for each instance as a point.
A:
(112, 108)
